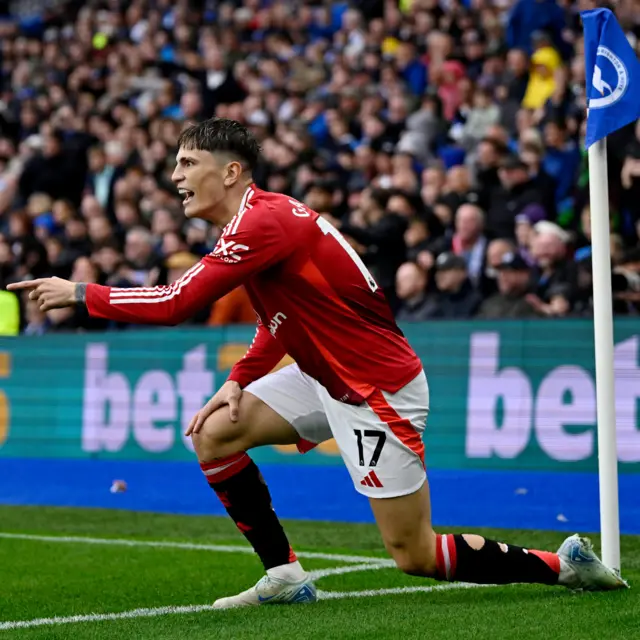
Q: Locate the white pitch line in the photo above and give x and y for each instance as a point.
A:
(101, 617)
(351, 568)
(164, 544)
(163, 611)
(339, 595)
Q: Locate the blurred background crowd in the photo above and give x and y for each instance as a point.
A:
(444, 138)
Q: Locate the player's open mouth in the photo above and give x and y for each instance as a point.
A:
(187, 196)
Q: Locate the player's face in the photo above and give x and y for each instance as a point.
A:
(199, 178)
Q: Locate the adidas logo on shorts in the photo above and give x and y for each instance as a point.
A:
(371, 480)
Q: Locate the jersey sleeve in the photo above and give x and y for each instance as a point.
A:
(262, 356)
(248, 245)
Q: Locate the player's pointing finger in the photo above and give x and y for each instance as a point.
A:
(25, 284)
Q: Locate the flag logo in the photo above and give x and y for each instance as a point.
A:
(612, 76)
(613, 90)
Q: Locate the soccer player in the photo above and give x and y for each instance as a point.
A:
(355, 378)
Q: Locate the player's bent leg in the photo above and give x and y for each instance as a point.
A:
(221, 449)
(404, 523)
(221, 446)
(381, 444)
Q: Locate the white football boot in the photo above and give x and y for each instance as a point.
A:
(288, 584)
(581, 569)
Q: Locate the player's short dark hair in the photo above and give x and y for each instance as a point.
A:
(223, 135)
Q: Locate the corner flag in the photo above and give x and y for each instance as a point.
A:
(612, 75)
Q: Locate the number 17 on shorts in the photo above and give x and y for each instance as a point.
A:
(381, 440)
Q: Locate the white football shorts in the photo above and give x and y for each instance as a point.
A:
(380, 441)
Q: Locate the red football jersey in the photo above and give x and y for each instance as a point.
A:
(313, 296)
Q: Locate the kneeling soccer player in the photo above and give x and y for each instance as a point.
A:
(356, 378)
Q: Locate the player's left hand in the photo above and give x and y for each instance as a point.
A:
(229, 394)
(50, 293)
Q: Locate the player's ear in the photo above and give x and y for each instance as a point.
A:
(232, 171)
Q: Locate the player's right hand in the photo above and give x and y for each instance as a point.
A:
(229, 394)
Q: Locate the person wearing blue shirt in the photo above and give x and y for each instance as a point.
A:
(528, 16)
(411, 68)
(562, 158)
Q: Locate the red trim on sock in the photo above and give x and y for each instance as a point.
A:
(243, 527)
(441, 570)
(224, 498)
(229, 467)
(453, 559)
(207, 466)
(552, 559)
(292, 555)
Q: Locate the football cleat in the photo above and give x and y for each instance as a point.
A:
(270, 590)
(581, 569)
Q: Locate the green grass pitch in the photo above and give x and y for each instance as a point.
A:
(99, 566)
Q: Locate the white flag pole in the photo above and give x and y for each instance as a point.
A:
(603, 338)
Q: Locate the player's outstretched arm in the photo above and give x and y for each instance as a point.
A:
(162, 305)
(241, 252)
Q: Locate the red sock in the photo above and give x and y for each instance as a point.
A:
(446, 557)
(551, 559)
(244, 494)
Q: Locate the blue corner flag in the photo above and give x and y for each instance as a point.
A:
(612, 74)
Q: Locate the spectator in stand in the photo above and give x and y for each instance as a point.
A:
(496, 250)
(106, 167)
(525, 223)
(383, 237)
(468, 241)
(410, 68)
(561, 160)
(555, 275)
(532, 154)
(514, 86)
(485, 164)
(54, 171)
(515, 192)
(545, 61)
(457, 188)
(483, 114)
(139, 254)
(514, 284)
(530, 16)
(456, 298)
(411, 287)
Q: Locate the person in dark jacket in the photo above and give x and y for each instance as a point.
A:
(411, 289)
(55, 171)
(545, 184)
(517, 190)
(456, 298)
(383, 237)
(555, 274)
(514, 283)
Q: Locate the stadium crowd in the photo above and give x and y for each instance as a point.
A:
(444, 138)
